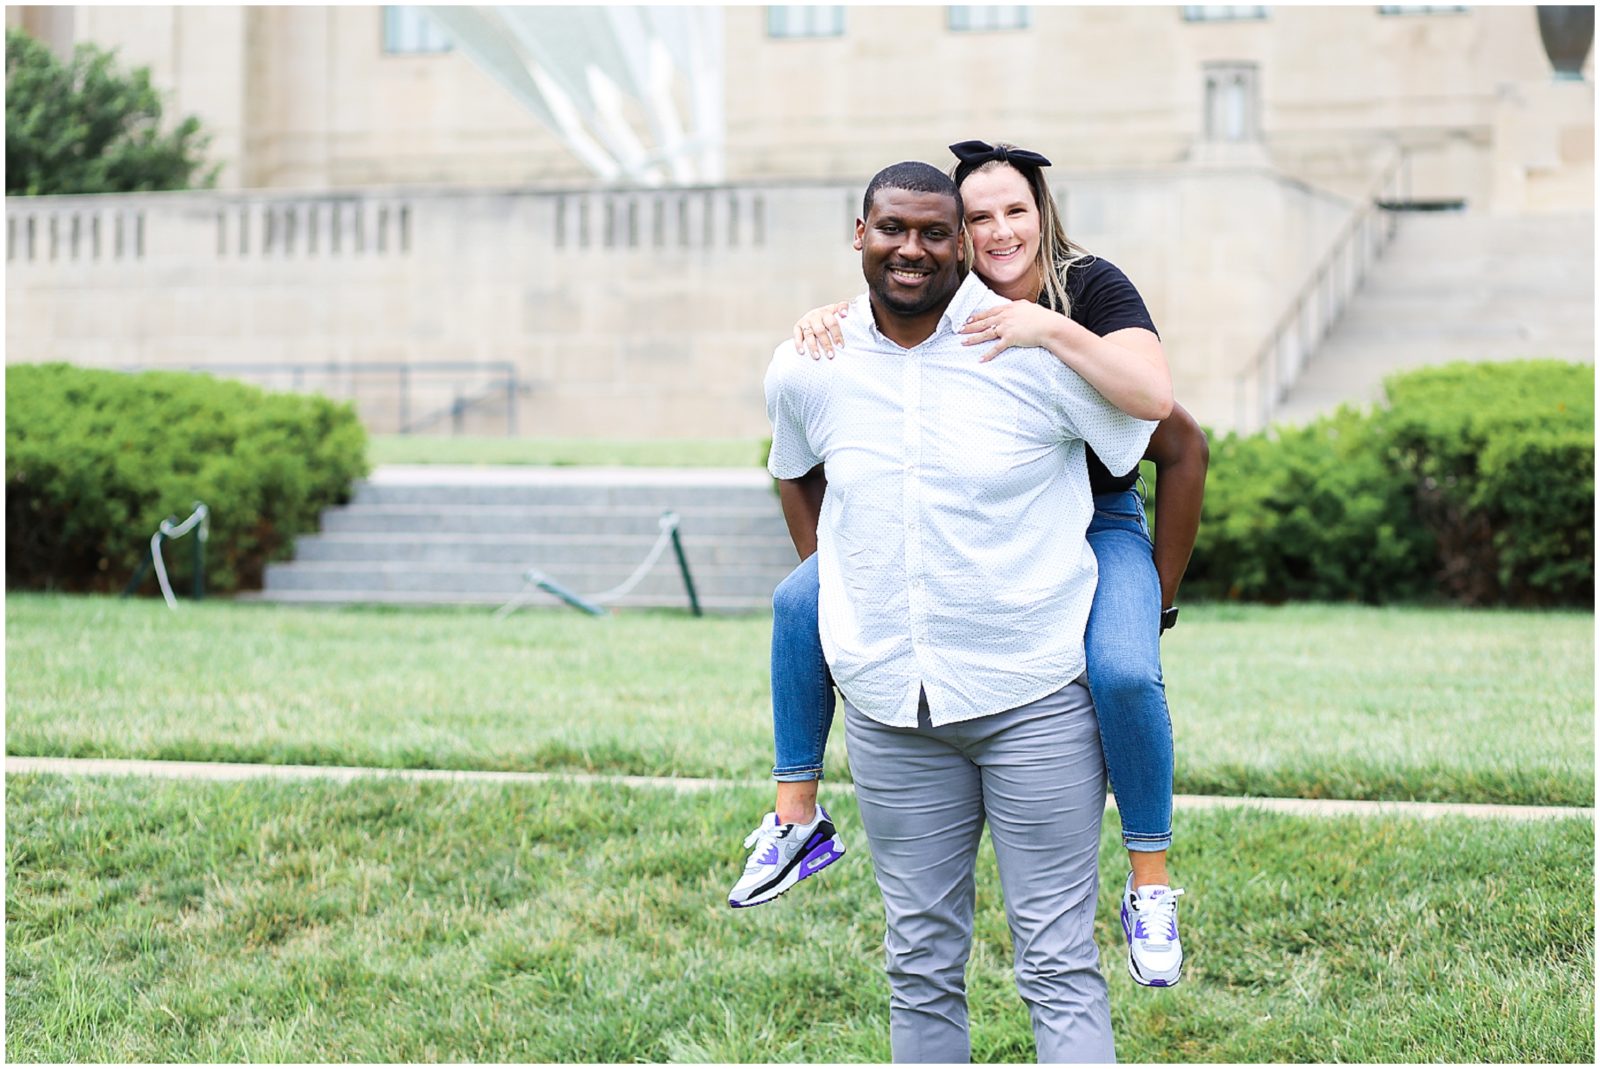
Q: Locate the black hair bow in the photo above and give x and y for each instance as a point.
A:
(974, 154)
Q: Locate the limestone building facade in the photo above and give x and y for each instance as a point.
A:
(1222, 155)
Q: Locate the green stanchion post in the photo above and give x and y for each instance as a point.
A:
(200, 563)
(683, 566)
(139, 573)
(575, 600)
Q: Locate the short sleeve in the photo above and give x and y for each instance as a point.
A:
(789, 391)
(1104, 300)
(1117, 438)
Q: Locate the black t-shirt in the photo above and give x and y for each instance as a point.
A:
(1103, 300)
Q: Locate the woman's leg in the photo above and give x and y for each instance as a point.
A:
(797, 839)
(1123, 644)
(802, 694)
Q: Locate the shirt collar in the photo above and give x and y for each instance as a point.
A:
(967, 299)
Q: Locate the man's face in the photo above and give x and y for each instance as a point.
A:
(910, 250)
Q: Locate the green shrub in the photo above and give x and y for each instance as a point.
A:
(1475, 483)
(1543, 522)
(1311, 512)
(96, 459)
(1502, 460)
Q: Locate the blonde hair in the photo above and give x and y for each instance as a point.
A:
(1057, 253)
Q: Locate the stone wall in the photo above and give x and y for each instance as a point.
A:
(628, 314)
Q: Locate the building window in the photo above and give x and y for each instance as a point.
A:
(1233, 102)
(975, 17)
(805, 20)
(409, 30)
(1222, 12)
(1421, 9)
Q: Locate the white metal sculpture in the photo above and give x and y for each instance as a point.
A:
(582, 69)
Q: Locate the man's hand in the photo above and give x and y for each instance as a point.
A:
(1022, 323)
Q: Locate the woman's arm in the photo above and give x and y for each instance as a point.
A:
(1128, 367)
(819, 330)
(801, 500)
(1181, 454)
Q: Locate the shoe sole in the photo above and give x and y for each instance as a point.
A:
(814, 862)
(1133, 969)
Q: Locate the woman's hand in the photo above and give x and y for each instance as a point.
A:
(819, 330)
(1017, 323)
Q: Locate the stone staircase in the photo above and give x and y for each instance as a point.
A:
(429, 534)
(1456, 286)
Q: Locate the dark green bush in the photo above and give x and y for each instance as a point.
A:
(1314, 512)
(1474, 483)
(96, 459)
(1502, 458)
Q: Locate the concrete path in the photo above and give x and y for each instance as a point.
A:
(201, 770)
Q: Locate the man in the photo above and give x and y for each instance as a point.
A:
(955, 585)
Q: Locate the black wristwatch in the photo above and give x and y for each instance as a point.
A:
(1169, 617)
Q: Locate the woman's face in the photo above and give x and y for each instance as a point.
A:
(1003, 221)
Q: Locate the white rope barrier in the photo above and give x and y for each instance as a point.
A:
(202, 516)
(533, 576)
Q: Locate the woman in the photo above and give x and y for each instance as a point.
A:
(1086, 312)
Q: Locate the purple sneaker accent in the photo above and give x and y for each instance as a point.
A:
(820, 859)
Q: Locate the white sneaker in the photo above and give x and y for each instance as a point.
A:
(1150, 921)
(784, 855)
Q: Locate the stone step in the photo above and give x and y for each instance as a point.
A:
(542, 551)
(568, 496)
(537, 599)
(518, 520)
(1456, 287)
(419, 535)
(503, 580)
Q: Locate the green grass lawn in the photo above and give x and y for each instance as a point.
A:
(1302, 700)
(423, 922)
(549, 452)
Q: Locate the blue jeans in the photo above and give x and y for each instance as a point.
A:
(1122, 641)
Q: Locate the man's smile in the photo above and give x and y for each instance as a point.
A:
(910, 276)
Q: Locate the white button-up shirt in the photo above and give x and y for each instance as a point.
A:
(951, 546)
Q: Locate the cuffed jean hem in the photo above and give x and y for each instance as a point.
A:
(796, 775)
(1147, 846)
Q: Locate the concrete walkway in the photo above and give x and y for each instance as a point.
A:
(201, 770)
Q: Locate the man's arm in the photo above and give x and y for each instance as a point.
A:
(802, 508)
(1181, 455)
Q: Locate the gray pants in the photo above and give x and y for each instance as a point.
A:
(1037, 775)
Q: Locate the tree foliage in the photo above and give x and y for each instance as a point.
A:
(87, 127)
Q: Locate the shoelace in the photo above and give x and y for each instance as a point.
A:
(1163, 910)
(764, 833)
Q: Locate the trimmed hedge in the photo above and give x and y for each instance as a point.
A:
(1502, 456)
(1309, 513)
(96, 459)
(1475, 484)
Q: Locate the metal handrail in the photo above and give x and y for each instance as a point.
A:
(1266, 370)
